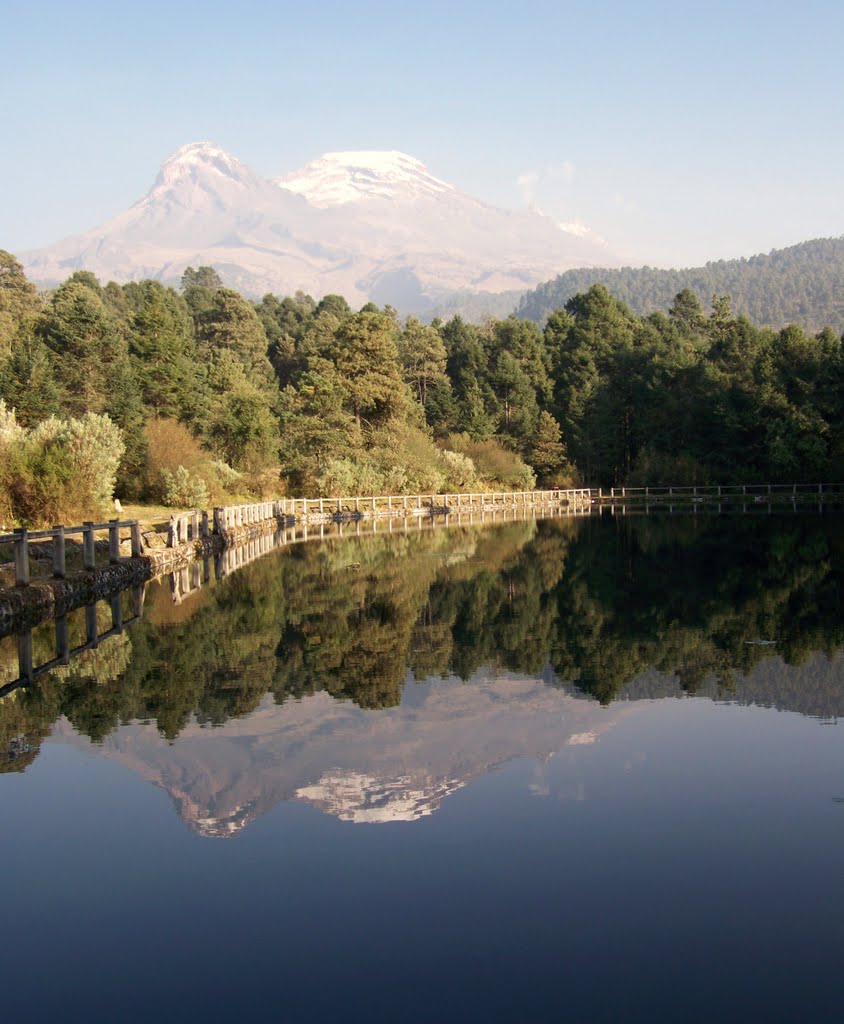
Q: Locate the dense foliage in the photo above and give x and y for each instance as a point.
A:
(803, 284)
(587, 597)
(218, 397)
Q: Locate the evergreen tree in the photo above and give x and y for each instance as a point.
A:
(547, 452)
(164, 353)
(19, 301)
(365, 356)
(86, 344)
(27, 381)
(423, 358)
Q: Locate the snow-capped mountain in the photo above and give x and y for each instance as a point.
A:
(339, 178)
(367, 225)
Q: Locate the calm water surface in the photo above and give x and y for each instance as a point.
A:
(579, 770)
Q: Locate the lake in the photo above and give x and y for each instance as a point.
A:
(573, 769)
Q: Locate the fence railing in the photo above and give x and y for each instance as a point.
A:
(229, 517)
(721, 491)
(415, 503)
(187, 526)
(21, 539)
(194, 525)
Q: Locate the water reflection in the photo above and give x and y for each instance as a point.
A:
(396, 765)
(473, 645)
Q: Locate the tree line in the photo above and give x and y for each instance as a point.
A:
(197, 394)
(802, 284)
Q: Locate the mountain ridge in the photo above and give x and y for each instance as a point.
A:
(370, 225)
(801, 284)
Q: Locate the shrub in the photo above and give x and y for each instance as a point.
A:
(460, 471)
(169, 445)
(227, 477)
(183, 490)
(178, 468)
(59, 471)
(350, 476)
(496, 465)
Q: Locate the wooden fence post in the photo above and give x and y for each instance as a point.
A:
(25, 655)
(22, 560)
(203, 526)
(91, 624)
(62, 640)
(194, 526)
(113, 541)
(116, 612)
(59, 563)
(89, 556)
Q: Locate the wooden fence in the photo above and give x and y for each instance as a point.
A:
(194, 525)
(427, 504)
(187, 526)
(722, 492)
(230, 517)
(21, 540)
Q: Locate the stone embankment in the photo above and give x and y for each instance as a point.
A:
(26, 600)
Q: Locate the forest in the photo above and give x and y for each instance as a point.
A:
(803, 284)
(350, 617)
(196, 395)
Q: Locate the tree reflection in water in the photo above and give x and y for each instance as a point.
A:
(634, 607)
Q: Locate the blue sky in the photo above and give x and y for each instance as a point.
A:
(680, 132)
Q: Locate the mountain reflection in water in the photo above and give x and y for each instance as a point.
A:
(372, 677)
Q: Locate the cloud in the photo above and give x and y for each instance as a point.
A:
(527, 182)
(546, 181)
(580, 230)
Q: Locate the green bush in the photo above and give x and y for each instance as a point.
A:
(497, 466)
(183, 490)
(60, 471)
(461, 474)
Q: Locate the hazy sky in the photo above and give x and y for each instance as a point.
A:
(679, 131)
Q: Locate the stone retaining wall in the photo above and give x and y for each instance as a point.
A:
(25, 607)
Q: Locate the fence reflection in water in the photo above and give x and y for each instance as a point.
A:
(28, 672)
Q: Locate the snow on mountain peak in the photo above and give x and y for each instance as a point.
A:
(348, 177)
(197, 160)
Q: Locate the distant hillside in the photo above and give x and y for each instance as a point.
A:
(803, 284)
(474, 307)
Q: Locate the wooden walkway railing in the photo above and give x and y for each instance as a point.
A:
(21, 540)
(195, 525)
(398, 504)
(721, 492)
